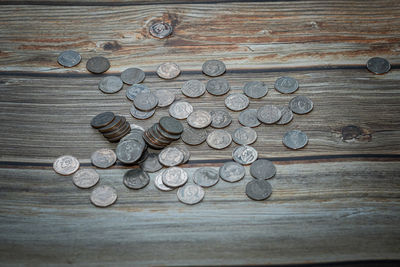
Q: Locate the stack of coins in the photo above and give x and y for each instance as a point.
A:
(113, 127)
(163, 133)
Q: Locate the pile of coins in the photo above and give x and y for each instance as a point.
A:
(113, 127)
(163, 133)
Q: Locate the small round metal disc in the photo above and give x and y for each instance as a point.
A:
(262, 169)
(66, 165)
(174, 177)
(199, 119)
(171, 125)
(301, 104)
(145, 101)
(249, 118)
(117, 131)
(165, 134)
(159, 184)
(206, 177)
(110, 84)
(269, 114)
(97, 65)
(232, 172)
(168, 70)
(180, 110)
(85, 178)
(378, 65)
(103, 158)
(102, 119)
(193, 137)
(136, 179)
(141, 115)
(117, 123)
(151, 164)
(186, 153)
(135, 89)
(286, 85)
(218, 86)
(236, 102)
(193, 88)
(190, 194)
(244, 155)
(220, 119)
(165, 97)
(258, 189)
(287, 115)
(160, 30)
(255, 89)
(295, 139)
(103, 196)
(69, 58)
(133, 76)
(136, 134)
(244, 136)
(219, 139)
(213, 68)
(170, 156)
(129, 151)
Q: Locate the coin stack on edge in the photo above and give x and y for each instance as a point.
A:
(163, 133)
(113, 127)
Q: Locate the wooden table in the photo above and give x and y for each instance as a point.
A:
(336, 200)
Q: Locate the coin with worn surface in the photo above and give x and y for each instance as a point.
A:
(151, 164)
(301, 104)
(129, 151)
(135, 89)
(218, 86)
(262, 169)
(141, 115)
(171, 156)
(110, 84)
(378, 65)
(97, 65)
(159, 184)
(160, 30)
(287, 115)
(190, 194)
(168, 70)
(66, 165)
(174, 177)
(255, 89)
(231, 172)
(192, 136)
(117, 132)
(244, 155)
(249, 118)
(103, 158)
(85, 178)
(213, 68)
(120, 135)
(220, 119)
(295, 139)
(193, 88)
(244, 136)
(102, 119)
(186, 153)
(206, 176)
(69, 58)
(165, 97)
(145, 101)
(219, 139)
(236, 102)
(103, 196)
(269, 114)
(133, 76)
(171, 125)
(258, 189)
(286, 85)
(180, 110)
(136, 179)
(114, 125)
(165, 134)
(199, 119)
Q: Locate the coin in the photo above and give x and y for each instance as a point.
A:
(126, 130)
(287, 115)
(186, 154)
(165, 97)
(150, 141)
(378, 65)
(174, 177)
(244, 136)
(180, 110)
(143, 157)
(258, 189)
(236, 102)
(193, 88)
(192, 136)
(102, 119)
(255, 89)
(69, 58)
(269, 114)
(110, 84)
(103, 196)
(295, 139)
(160, 140)
(145, 101)
(301, 104)
(219, 139)
(190, 194)
(159, 184)
(160, 30)
(135, 89)
(286, 85)
(218, 86)
(66, 165)
(85, 178)
(231, 172)
(129, 151)
(171, 125)
(249, 118)
(117, 132)
(213, 68)
(141, 115)
(151, 164)
(118, 122)
(167, 135)
(97, 65)
(220, 118)
(206, 177)
(168, 70)
(103, 158)
(170, 156)
(133, 76)
(244, 155)
(199, 119)
(262, 169)
(136, 179)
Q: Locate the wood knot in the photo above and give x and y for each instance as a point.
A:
(113, 46)
(351, 133)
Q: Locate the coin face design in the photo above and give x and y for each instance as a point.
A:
(262, 169)
(174, 177)
(269, 114)
(193, 88)
(133, 76)
(249, 118)
(287, 115)
(171, 156)
(220, 119)
(168, 70)
(301, 105)
(258, 189)
(165, 97)
(97, 65)
(180, 110)
(110, 84)
(103, 196)
(85, 178)
(190, 194)
(295, 139)
(192, 136)
(378, 65)
(129, 151)
(171, 125)
(151, 164)
(66, 165)
(69, 58)
(206, 177)
(219, 139)
(103, 158)
(159, 184)
(244, 155)
(199, 119)
(236, 102)
(255, 89)
(136, 179)
(135, 89)
(231, 172)
(160, 30)
(218, 86)
(213, 68)
(244, 136)
(286, 85)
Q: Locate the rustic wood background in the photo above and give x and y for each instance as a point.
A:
(337, 200)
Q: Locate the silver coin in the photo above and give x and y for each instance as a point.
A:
(218, 86)
(378, 65)
(213, 68)
(258, 189)
(249, 118)
(103, 196)
(141, 115)
(97, 65)
(269, 114)
(199, 119)
(206, 177)
(132, 76)
(145, 101)
(244, 136)
(236, 102)
(301, 104)
(160, 30)
(190, 194)
(295, 139)
(255, 89)
(193, 88)
(286, 85)
(171, 156)
(110, 84)
(165, 97)
(193, 136)
(69, 58)
(220, 119)
(103, 158)
(180, 110)
(262, 169)
(135, 134)
(66, 165)
(129, 151)
(232, 172)
(287, 115)
(168, 70)
(134, 90)
(219, 139)
(174, 177)
(85, 178)
(186, 154)
(244, 155)
(136, 179)
(159, 184)
(151, 164)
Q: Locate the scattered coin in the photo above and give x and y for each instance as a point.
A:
(151, 164)
(136, 179)
(160, 30)
(171, 125)
(135, 89)
(220, 119)
(102, 119)
(110, 84)
(378, 65)
(193, 136)
(244, 155)
(69, 58)
(258, 189)
(133, 76)
(206, 177)
(286, 85)
(301, 104)
(219, 139)
(262, 169)
(103, 158)
(103, 196)
(145, 101)
(168, 70)
(295, 139)
(186, 154)
(199, 119)
(129, 151)
(85, 178)
(171, 156)
(174, 177)
(287, 115)
(97, 65)
(159, 184)
(180, 110)
(213, 68)
(218, 86)
(165, 97)
(66, 165)
(232, 172)
(249, 118)
(236, 102)
(141, 115)
(255, 89)
(244, 136)
(193, 88)
(269, 114)
(190, 194)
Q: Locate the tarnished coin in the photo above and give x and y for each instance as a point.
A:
(244, 155)
(103, 158)
(66, 165)
(186, 154)
(165, 97)
(136, 134)
(262, 169)
(378, 65)
(133, 76)
(117, 132)
(151, 164)
(236, 102)
(136, 179)
(85, 178)
(129, 151)
(103, 196)
(159, 184)
(141, 115)
(171, 125)
(121, 134)
(232, 172)
(193, 88)
(160, 30)
(190, 194)
(301, 104)
(244, 136)
(218, 86)
(168, 70)
(219, 139)
(110, 84)
(102, 119)
(295, 139)
(255, 89)
(170, 156)
(145, 101)
(117, 123)
(287, 115)
(269, 114)
(192, 136)
(213, 68)
(220, 119)
(97, 65)
(135, 89)
(258, 189)
(69, 58)
(174, 177)
(206, 177)
(165, 134)
(286, 85)
(249, 118)
(199, 119)
(180, 110)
